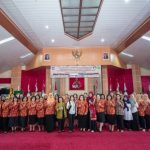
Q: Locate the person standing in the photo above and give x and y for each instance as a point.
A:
(13, 114)
(50, 113)
(110, 110)
(147, 112)
(141, 110)
(127, 113)
(119, 113)
(134, 109)
(100, 109)
(82, 110)
(5, 114)
(61, 113)
(71, 107)
(23, 107)
(40, 114)
(32, 113)
(92, 113)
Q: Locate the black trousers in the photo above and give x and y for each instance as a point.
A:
(82, 121)
(135, 122)
(49, 122)
(142, 122)
(5, 123)
(93, 125)
(1, 123)
(127, 124)
(71, 118)
(61, 124)
(147, 118)
(120, 122)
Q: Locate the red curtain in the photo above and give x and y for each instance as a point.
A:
(145, 83)
(31, 77)
(121, 76)
(76, 83)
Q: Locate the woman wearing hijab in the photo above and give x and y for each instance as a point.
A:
(82, 110)
(127, 113)
(50, 113)
(110, 110)
(71, 107)
(100, 109)
(93, 117)
(61, 113)
(119, 112)
(13, 114)
(134, 109)
(23, 108)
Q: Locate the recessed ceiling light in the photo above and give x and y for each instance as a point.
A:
(52, 40)
(47, 27)
(126, 1)
(146, 38)
(7, 40)
(102, 40)
(24, 56)
(126, 54)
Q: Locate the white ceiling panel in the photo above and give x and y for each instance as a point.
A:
(11, 51)
(116, 20)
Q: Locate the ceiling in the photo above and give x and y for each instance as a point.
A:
(140, 49)
(11, 52)
(41, 21)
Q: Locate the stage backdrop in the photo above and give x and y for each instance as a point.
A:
(32, 77)
(121, 76)
(145, 83)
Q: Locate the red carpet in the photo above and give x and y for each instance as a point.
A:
(75, 141)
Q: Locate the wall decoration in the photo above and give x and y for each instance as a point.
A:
(76, 84)
(46, 57)
(106, 56)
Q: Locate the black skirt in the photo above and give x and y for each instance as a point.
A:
(147, 118)
(23, 122)
(49, 122)
(40, 121)
(13, 121)
(32, 119)
(101, 117)
(111, 119)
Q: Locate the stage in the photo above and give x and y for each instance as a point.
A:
(75, 141)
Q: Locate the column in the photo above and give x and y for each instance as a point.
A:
(48, 81)
(136, 74)
(104, 80)
(16, 78)
(62, 86)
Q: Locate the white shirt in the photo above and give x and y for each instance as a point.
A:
(72, 110)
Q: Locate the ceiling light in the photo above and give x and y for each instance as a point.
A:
(47, 27)
(102, 40)
(126, 54)
(146, 38)
(7, 40)
(24, 56)
(126, 1)
(52, 40)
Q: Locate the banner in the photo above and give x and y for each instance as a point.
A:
(76, 83)
(75, 71)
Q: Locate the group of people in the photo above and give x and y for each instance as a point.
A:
(88, 112)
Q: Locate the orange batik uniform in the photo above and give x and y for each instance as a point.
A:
(14, 112)
(100, 106)
(82, 107)
(110, 107)
(142, 107)
(5, 109)
(50, 108)
(32, 108)
(40, 109)
(23, 107)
